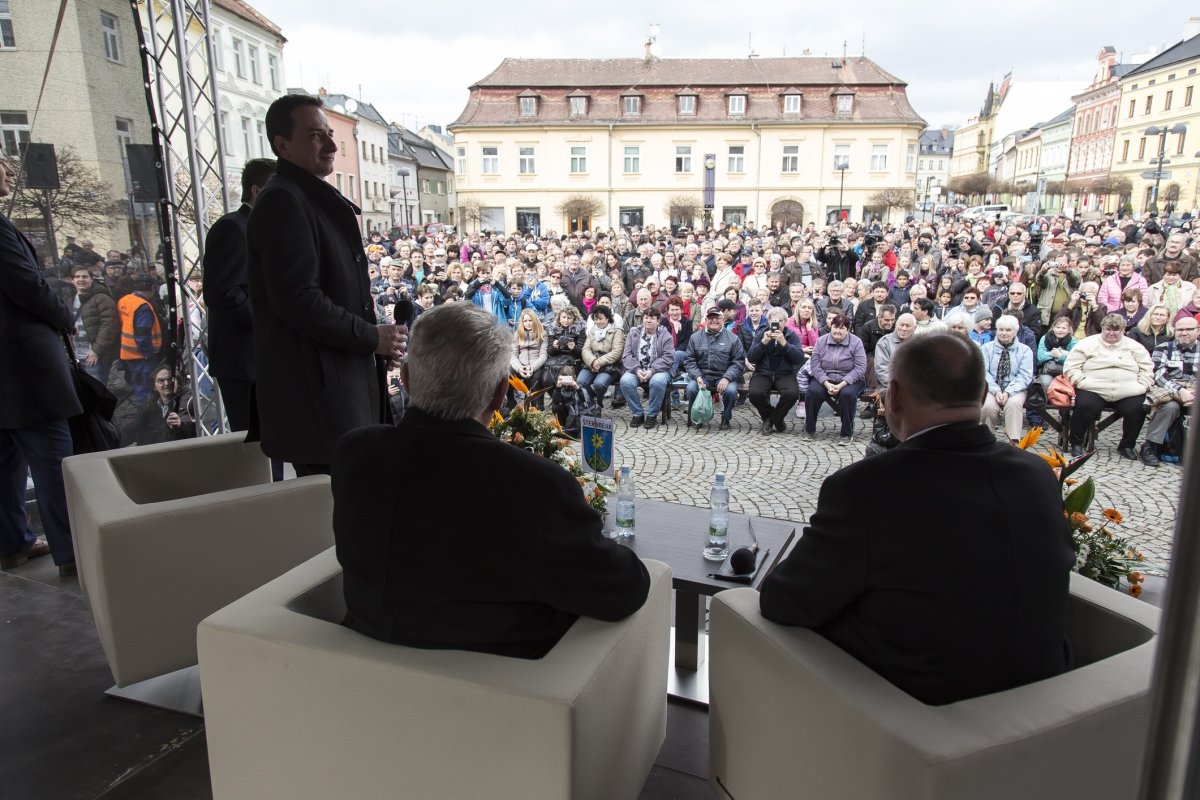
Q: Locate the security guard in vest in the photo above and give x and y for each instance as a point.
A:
(141, 337)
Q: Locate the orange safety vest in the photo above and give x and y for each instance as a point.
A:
(127, 308)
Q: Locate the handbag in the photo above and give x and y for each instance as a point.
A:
(702, 408)
(1035, 396)
(1061, 393)
(92, 431)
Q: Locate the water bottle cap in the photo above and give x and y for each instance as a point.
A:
(625, 470)
(720, 477)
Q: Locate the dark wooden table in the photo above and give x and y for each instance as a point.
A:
(676, 535)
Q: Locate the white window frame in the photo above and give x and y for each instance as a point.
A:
(273, 71)
(841, 155)
(110, 30)
(910, 158)
(737, 158)
(14, 132)
(247, 141)
(528, 106)
(252, 60)
(737, 105)
(578, 106)
(631, 105)
(879, 157)
(527, 160)
(687, 105)
(238, 46)
(683, 159)
(226, 130)
(845, 103)
(791, 104)
(460, 154)
(791, 159)
(260, 135)
(490, 162)
(8, 39)
(579, 159)
(633, 159)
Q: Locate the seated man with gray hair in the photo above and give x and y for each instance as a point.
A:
(440, 563)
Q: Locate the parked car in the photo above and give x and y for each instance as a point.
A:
(985, 212)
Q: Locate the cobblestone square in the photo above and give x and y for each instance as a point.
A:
(780, 475)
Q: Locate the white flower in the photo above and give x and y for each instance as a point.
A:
(1081, 558)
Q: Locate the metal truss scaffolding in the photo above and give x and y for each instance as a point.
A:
(181, 96)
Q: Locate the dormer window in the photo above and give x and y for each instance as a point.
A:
(528, 106)
(737, 104)
(687, 105)
(791, 104)
(579, 106)
(631, 105)
(844, 103)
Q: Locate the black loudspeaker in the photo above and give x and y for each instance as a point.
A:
(143, 171)
(40, 165)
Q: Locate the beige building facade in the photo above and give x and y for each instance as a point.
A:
(558, 145)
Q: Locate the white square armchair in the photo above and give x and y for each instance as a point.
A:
(793, 716)
(299, 706)
(166, 534)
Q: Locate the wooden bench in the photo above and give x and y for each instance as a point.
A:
(1062, 426)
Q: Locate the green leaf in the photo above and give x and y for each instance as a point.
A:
(1080, 498)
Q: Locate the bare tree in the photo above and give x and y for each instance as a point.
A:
(470, 213)
(83, 201)
(970, 186)
(1171, 193)
(786, 213)
(883, 202)
(683, 207)
(580, 207)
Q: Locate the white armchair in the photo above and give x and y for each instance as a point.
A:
(299, 706)
(794, 716)
(166, 534)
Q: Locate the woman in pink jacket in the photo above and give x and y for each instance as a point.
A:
(1114, 285)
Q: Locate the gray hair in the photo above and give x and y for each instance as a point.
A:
(457, 357)
(777, 314)
(558, 302)
(959, 317)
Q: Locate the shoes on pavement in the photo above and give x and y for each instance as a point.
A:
(845, 441)
(1076, 450)
(780, 425)
(1149, 454)
(1128, 452)
(637, 421)
(810, 436)
(724, 426)
(39, 548)
(767, 427)
(651, 422)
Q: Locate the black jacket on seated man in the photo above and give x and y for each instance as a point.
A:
(966, 599)
(459, 564)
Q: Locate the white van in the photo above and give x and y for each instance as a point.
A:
(984, 213)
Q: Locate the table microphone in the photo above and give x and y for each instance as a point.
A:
(744, 559)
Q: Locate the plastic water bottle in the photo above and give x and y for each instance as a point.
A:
(718, 520)
(626, 503)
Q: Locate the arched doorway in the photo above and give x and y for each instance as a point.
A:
(787, 212)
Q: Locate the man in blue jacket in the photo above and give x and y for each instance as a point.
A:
(714, 363)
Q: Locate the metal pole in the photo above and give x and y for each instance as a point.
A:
(1162, 151)
(841, 192)
(1172, 766)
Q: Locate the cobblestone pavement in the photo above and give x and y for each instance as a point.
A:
(780, 475)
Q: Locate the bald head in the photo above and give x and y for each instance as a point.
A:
(935, 380)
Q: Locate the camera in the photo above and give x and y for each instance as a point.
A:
(774, 327)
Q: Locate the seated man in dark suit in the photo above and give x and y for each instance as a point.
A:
(969, 595)
(436, 562)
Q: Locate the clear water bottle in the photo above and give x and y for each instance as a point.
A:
(718, 520)
(626, 503)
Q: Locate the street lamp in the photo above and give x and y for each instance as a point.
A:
(403, 172)
(1161, 133)
(841, 167)
(928, 208)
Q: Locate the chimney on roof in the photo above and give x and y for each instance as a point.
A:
(321, 91)
(1191, 28)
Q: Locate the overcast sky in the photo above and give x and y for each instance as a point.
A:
(416, 63)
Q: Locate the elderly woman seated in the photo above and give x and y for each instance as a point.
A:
(839, 370)
(1108, 369)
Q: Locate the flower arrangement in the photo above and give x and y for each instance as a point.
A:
(540, 433)
(1099, 553)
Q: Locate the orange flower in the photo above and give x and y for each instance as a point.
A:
(518, 384)
(1070, 481)
(1135, 590)
(518, 438)
(1053, 458)
(1030, 439)
(1136, 577)
(580, 481)
(1078, 519)
(497, 419)
(1113, 516)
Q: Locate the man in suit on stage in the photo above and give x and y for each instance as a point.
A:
(227, 298)
(962, 596)
(436, 562)
(37, 397)
(319, 352)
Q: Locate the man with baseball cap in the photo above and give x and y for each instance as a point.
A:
(714, 362)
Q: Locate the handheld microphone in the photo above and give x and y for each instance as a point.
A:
(403, 311)
(745, 559)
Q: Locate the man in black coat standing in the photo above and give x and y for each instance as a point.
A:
(320, 356)
(968, 597)
(37, 396)
(227, 298)
(429, 564)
